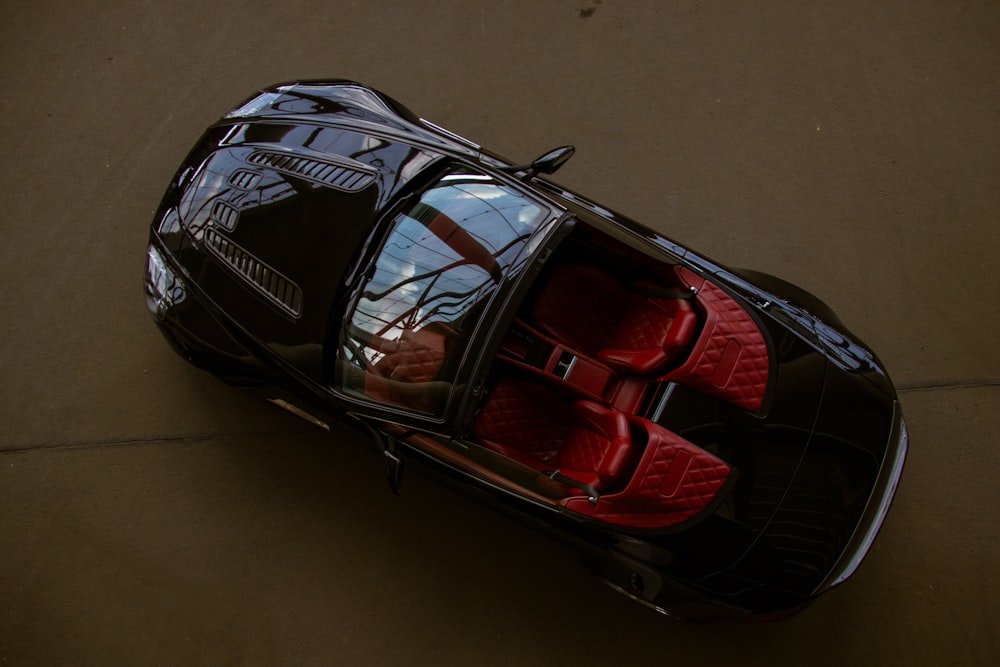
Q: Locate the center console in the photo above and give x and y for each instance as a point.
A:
(528, 348)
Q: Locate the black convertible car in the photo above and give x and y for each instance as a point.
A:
(713, 442)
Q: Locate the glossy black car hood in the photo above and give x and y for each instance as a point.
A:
(270, 210)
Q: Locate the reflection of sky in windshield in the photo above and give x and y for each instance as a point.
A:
(492, 213)
(429, 272)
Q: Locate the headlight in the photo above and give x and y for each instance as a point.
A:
(164, 290)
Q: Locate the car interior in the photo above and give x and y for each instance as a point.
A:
(602, 330)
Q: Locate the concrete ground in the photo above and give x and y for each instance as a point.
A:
(150, 515)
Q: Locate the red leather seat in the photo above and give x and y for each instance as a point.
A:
(531, 423)
(651, 333)
(626, 327)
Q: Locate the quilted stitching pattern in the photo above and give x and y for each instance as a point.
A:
(584, 451)
(551, 433)
(642, 328)
(643, 503)
(525, 416)
(590, 310)
(727, 322)
(581, 306)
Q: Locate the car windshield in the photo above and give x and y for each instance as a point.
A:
(443, 257)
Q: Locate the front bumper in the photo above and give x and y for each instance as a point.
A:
(186, 320)
(164, 289)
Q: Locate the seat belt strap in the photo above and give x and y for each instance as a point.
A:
(556, 476)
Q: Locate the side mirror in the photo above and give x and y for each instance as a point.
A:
(546, 164)
(551, 161)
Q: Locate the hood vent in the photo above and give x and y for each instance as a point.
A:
(332, 174)
(244, 179)
(277, 288)
(225, 215)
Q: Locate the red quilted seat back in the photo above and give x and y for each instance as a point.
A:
(674, 481)
(589, 309)
(526, 417)
(599, 446)
(652, 333)
(533, 424)
(580, 306)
